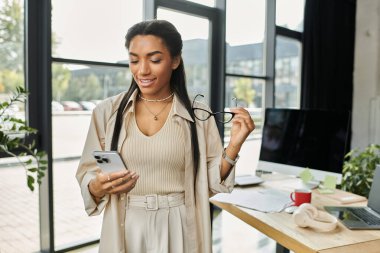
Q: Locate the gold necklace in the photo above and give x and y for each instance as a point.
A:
(155, 114)
(156, 100)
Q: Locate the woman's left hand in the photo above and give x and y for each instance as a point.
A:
(242, 126)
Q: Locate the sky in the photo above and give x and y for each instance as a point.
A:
(95, 29)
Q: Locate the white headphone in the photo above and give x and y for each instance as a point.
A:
(307, 215)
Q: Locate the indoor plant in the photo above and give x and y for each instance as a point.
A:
(358, 169)
(15, 136)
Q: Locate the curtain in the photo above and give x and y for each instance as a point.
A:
(328, 54)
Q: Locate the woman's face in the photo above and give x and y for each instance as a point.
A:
(151, 65)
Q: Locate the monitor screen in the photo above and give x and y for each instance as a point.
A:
(297, 139)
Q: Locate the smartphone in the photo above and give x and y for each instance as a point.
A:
(109, 161)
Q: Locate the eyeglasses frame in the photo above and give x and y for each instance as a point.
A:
(212, 113)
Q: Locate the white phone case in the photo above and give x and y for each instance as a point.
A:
(109, 161)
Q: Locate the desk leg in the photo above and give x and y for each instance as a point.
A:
(281, 249)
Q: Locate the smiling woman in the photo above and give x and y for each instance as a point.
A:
(172, 158)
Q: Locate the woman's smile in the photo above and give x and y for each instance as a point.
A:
(146, 82)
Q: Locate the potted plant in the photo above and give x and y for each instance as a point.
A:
(15, 142)
(358, 169)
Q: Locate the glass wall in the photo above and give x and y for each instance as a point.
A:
(19, 216)
(90, 63)
(94, 36)
(245, 72)
(289, 14)
(244, 37)
(288, 73)
(247, 78)
(195, 52)
(289, 23)
(249, 93)
(85, 87)
(93, 30)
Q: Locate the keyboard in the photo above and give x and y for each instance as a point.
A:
(366, 216)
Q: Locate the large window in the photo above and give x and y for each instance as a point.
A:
(84, 87)
(245, 37)
(263, 69)
(230, 50)
(93, 30)
(195, 49)
(288, 73)
(289, 14)
(90, 63)
(245, 67)
(19, 219)
(289, 27)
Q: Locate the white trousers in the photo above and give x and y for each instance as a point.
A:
(155, 224)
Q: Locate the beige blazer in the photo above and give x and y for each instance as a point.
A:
(208, 179)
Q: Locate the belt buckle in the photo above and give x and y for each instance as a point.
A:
(151, 202)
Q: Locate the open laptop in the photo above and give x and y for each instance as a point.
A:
(363, 217)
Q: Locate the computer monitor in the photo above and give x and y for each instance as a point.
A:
(295, 139)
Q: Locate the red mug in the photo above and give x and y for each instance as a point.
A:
(300, 196)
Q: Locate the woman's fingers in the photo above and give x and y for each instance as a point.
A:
(242, 126)
(124, 185)
(244, 122)
(109, 177)
(243, 117)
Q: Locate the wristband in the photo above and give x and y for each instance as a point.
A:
(228, 159)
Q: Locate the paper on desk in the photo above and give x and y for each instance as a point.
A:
(263, 201)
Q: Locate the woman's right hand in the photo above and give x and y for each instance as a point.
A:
(112, 183)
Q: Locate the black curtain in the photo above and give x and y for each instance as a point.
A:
(328, 54)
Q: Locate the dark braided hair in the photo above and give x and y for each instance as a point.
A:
(173, 41)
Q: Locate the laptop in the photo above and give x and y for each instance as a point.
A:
(363, 217)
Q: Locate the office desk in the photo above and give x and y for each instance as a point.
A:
(280, 227)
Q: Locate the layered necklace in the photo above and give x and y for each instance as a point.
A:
(155, 115)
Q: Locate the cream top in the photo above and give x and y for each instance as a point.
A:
(159, 159)
(198, 189)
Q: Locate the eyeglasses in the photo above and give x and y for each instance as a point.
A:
(203, 115)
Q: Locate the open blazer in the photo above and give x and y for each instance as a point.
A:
(207, 181)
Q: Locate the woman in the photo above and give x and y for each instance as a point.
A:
(160, 203)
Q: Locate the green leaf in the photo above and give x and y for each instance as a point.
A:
(41, 153)
(30, 179)
(30, 182)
